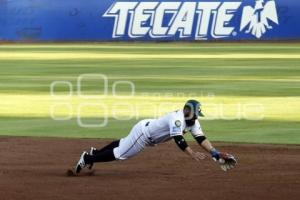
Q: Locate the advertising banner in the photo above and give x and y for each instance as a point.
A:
(154, 20)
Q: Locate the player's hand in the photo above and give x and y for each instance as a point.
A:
(226, 161)
(198, 156)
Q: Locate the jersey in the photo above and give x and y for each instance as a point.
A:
(172, 124)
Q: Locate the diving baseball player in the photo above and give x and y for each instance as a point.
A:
(149, 132)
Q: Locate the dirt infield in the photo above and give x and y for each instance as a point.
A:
(34, 168)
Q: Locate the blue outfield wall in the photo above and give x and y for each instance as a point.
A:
(107, 20)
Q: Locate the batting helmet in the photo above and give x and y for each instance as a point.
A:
(194, 106)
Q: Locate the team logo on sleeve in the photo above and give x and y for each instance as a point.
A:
(176, 129)
(177, 123)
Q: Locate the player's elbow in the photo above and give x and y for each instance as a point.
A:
(200, 139)
(180, 141)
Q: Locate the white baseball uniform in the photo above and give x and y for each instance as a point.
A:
(149, 132)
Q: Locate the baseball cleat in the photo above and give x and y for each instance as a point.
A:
(92, 152)
(81, 163)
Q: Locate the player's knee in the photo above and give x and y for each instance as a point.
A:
(122, 158)
(118, 155)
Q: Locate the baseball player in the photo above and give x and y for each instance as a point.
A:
(149, 132)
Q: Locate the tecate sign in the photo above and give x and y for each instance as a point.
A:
(197, 20)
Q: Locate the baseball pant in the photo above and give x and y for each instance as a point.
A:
(131, 145)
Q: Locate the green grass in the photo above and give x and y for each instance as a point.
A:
(226, 78)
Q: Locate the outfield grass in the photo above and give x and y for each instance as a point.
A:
(250, 92)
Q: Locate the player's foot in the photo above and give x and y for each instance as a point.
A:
(81, 163)
(92, 152)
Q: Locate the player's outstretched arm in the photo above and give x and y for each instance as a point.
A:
(181, 143)
(225, 160)
(195, 155)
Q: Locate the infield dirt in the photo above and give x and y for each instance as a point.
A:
(35, 169)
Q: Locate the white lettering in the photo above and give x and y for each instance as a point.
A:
(164, 7)
(167, 19)
(225, 14)
(119, 11)
(206, 8)
(184, 20)
(141, 15)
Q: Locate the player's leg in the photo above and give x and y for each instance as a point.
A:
(130, 146)
(105, 155)
(94, 151)
(112, 145)
(127, 147)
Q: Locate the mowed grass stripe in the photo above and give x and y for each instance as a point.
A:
(275, 132)
(223, 74)
(258, 46)
(139, 107)
(116, 56)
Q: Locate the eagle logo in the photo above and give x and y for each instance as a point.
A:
(257, 19)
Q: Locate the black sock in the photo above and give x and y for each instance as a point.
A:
(103, 156)
(112, 145)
